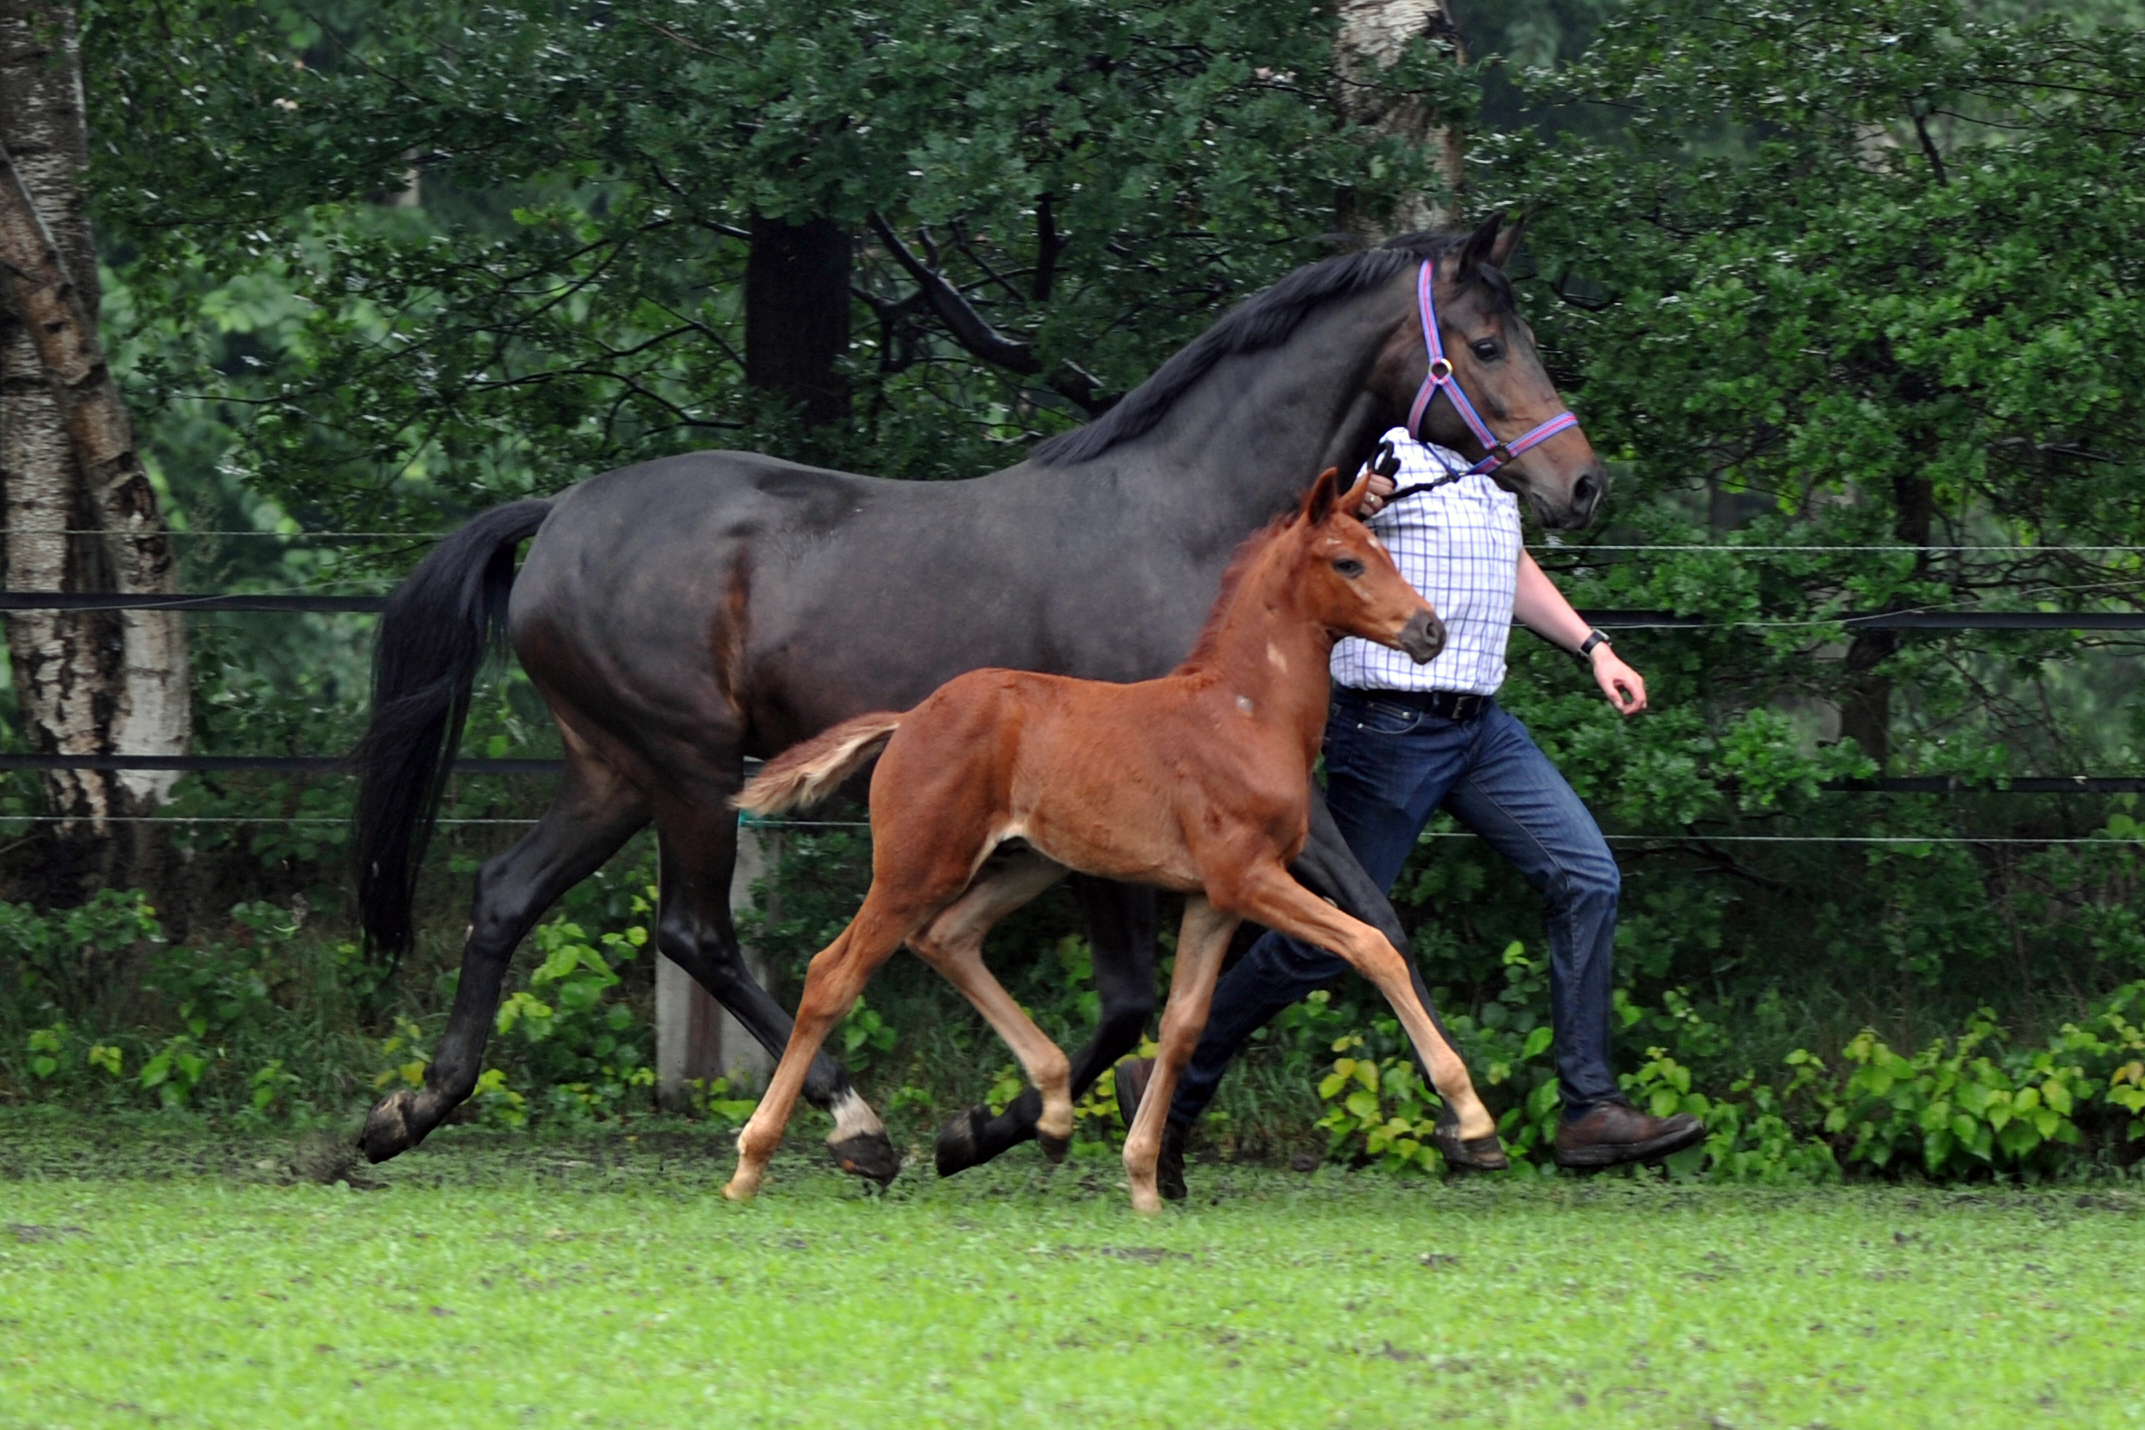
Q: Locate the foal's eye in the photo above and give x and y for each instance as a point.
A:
(1348, 566)
(1489, 350)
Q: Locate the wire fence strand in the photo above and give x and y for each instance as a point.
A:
(779, 824)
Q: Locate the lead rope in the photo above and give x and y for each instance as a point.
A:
(1386, 463)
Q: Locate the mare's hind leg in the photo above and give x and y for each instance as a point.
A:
(693, 930)
(952, 943)
(593, 813)
(1120, 923)
(1201, 941)
(1271, 896)
(837, 975)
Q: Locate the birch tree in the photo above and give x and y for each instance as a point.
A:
(81, 513)
(1371, 43)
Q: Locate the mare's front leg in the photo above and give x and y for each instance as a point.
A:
(693, 930)
(594, 812)
(1120, 923)
(1202, 939)
(1275, 899)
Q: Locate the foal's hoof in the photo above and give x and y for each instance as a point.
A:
(1468, 1154)
(1054, 1148)
(957, 1141)
(387, 1129)
(867, 1154)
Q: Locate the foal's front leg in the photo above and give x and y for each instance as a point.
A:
(952, 943)
(1272, 897)
(1201, 941)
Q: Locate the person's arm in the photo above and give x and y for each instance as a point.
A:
(1539, 606)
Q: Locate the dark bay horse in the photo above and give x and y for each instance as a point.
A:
(683, 614)
(1197, 781)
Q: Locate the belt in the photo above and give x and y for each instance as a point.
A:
(1445, 704)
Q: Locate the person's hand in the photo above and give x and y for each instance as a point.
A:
(1381, 487)
(1624, 686)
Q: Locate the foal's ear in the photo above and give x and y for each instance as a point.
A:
(1351, 501)
(1318, 505)
(1481, 245)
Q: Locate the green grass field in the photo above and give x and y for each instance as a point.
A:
(152, 1275)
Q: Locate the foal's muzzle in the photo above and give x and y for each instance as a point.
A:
(1423, 637)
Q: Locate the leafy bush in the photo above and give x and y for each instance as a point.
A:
(1961, 1107)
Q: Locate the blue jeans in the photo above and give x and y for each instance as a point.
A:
(1388, 768)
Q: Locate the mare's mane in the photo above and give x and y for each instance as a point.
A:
(1259, 323)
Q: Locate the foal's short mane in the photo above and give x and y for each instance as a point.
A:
(1232, 576)
(1257, 324)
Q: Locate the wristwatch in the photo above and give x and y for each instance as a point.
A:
(1585, 654)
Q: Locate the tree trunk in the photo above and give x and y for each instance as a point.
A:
(1372, 35)
(88, 683)
(797, 314)
(1866, 714)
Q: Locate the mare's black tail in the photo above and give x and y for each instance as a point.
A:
(442, 622)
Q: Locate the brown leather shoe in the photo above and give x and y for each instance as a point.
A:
(1133, 1075)
(1616, 1132)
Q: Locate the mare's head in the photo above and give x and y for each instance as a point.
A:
(1346, 578)
(1493, 357)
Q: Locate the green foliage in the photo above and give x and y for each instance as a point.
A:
(1962, 1107)
(561, 290)
(568, 1036)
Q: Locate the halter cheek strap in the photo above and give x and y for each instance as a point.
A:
(1442, 378)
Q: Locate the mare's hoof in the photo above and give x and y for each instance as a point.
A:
(956, 1148)
(387, 1129)
(868, 1154)
(1054, 1148)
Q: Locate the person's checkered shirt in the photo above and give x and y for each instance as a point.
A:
(1459, 545)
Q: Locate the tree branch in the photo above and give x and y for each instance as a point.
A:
(974, 332)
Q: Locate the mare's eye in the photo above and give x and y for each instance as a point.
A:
(1348, 566)
(1489, 350)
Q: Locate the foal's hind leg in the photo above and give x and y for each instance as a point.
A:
(1120, 924)
(593, 813)
(837, 975)
(693, 930)
(1275, 899)
(1201, 941)
(952, 943)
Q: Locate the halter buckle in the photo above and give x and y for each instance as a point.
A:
(1440, 368)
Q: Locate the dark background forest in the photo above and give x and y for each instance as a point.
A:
(1849, 295)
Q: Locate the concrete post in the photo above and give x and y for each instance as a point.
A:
(694, 1037)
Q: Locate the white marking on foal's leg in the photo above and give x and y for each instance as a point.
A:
(853, 1117)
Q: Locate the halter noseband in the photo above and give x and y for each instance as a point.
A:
(1441, 377)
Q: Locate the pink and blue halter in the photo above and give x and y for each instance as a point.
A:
(1442, 378)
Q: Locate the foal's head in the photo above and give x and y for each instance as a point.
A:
(1346, 578)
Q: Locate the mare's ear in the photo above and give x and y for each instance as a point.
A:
(1507, 244)
(1318, 505)
(1481, 246)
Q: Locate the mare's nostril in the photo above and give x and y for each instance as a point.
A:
(1584, 491)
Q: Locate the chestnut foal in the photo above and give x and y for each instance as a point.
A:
(1001, 781)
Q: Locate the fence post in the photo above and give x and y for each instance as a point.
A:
(694, 1037)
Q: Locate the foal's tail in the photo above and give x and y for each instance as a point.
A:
(439, 626)
(806, 774)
